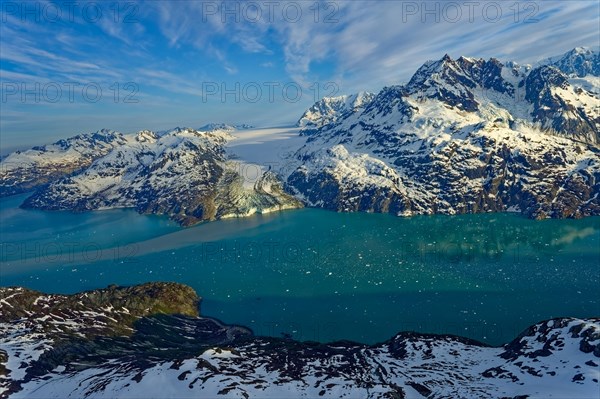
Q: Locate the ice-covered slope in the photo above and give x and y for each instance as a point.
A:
(130, 343)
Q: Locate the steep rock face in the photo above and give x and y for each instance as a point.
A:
(560, 107)
(50, 351)
(463, 136)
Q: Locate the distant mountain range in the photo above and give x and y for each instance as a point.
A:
(150, 341)
(462, 136)
(183, 173)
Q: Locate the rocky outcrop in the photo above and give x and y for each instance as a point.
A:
(47, 350)
(108, 311)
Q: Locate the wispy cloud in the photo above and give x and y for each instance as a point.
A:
(169, 82)
(383, 45)
(169, 48)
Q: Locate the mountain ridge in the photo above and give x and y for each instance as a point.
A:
(463, 135)
(47, 349)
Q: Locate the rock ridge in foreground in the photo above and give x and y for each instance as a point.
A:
(150, 340)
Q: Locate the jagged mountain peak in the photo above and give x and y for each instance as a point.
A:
(580, 62)
(100, 137)
(577, 51)
(427, 69)
(187, 131)
(147, 136)
(329, 109)
(224, 126)
(103, 134)
(449, 69)
(544, 96)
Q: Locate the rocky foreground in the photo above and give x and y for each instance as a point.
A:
(150, 341)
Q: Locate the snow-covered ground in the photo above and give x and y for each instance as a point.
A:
(255, 151)
(552, 359)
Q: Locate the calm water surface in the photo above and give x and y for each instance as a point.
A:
(320, 275)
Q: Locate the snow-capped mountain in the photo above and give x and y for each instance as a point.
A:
(329, 109)
(463, 136)
(149, 341)
(184, 174)
(224, 126)
(23, 171)
(580, 62)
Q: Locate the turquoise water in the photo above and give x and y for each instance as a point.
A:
(319, 275)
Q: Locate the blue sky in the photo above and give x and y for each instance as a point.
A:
(68, 68)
